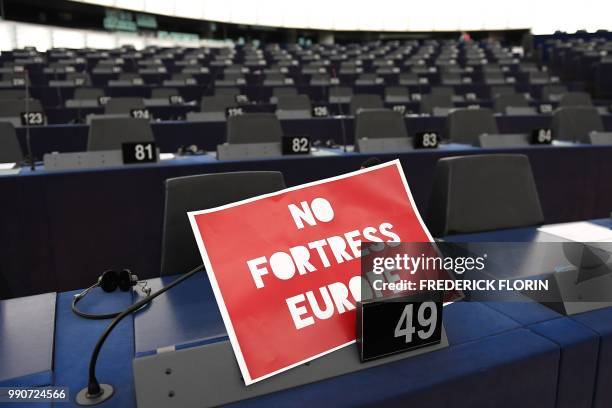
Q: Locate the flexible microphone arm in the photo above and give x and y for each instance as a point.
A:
(342, 127)
(27, 121)
(94, 391)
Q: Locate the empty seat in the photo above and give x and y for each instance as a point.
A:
(365, 101)
(501, 102)
(15, 107)
(574, 123)
(164, 93)
(465, 125)
(575, 99)
(232, 91)
(552, 93)
(123, 105)
(111, 133)
(320, 80)
(184, 194)
(483, 192)
(368, 79)
(293, 107)
(88, 93)
(409, 78)
(12, 94)
(10, 150)
(430, 103)
(501, 89)
(442, 90)
(340, 94)
(379, 123)
(284, 91)
(254, 128)
(397, 94)
(217, 103)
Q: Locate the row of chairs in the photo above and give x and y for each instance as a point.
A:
(470, 194)
(464, 126)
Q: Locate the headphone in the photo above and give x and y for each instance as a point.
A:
(109, 281)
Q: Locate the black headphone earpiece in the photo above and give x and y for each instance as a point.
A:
(126, 280)
(109, 281)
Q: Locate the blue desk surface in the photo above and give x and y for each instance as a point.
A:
(521, 354)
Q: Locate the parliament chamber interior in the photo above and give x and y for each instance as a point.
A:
(370, 204)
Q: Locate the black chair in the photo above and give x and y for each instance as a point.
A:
(429, 103)
(111, 133)
(123, 105)
(575, 99)
(365, 101)
(164, 93)
(465, 125)
(13, 108)
(254, 128)
(88, 93)
(509, 100)
(340, 94)
(481, 193)
(574, 123)
(397, 94)
(227, 91)
(10, 150)
(293, 107)
(12, 94)
(183, 194)
(217, 103)
(552, 93)
(379, 123)
(284, 91)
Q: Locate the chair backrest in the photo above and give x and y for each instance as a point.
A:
(160, 93)
(123, 105)
(254, 128)
(191, 193)
(10, 151)
(553, 92)
(88, 93)
(227, 91)
(442, 90)
(483, 192)
(293, 102)
(379, 123)
(501, 102)
(396, 91)
(15, 107)
(575, 99)
(465, 125)
(365, 101)
(284, 91)
(12, 94)
(495, 90)
(340, 92)
(217, 103)
(111, 133)
(431, 101)
(574, 123)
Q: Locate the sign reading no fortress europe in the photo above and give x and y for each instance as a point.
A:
(285, 267)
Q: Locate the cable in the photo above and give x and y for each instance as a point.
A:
(93, 386)
(77, 298)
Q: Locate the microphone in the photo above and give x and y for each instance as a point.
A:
(342, 127)
(96, 393)
(27, 121)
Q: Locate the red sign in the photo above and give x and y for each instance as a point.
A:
(285, 267)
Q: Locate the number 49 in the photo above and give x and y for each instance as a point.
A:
(405, 325)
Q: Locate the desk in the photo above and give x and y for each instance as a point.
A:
(170, 135)
(524, 355)
(114, 216)
(546, 322)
